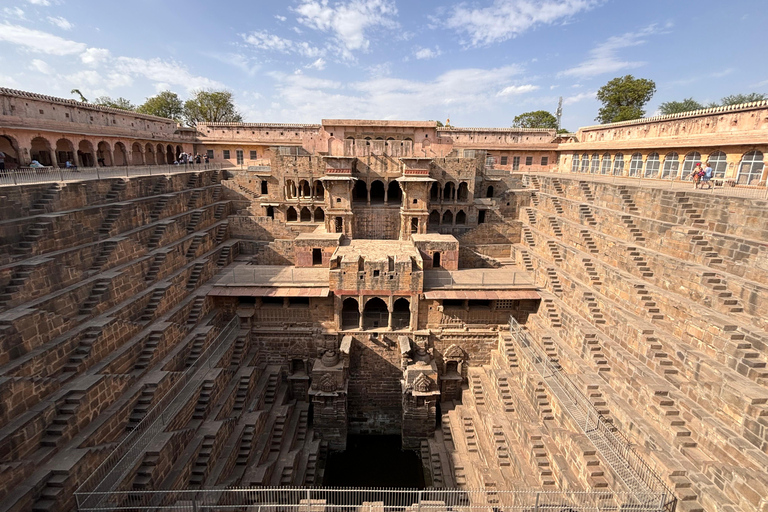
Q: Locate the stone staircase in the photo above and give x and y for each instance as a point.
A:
(589, 242)
(639, 261)
(159, 207)
(98, 294)
(634, 231)
(150, 346)
(193, 246)
(105, 250)
(587, 191)
(113, 213)
(143, 405)
(82, 350)
(194, 276)
(66, 415)
(626, 199)
(555, 225)
(589, 266)
(585, 212)
(157, 235)
(154, 301)
(194, 220)
(557, 287)
(118, 186)
(154, 268)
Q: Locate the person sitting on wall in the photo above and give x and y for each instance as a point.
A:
(69, 165)
(100, 161)
(36, 165)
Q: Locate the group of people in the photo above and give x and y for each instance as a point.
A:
(186, 158)
(701, 176)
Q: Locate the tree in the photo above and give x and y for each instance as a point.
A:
(537, 119)
(121, 103)
(208, 106)
(676, 107)
(735, 99)
(623, 98)
(439, 124)
(166, 104)
(77, 91)
(563, 130)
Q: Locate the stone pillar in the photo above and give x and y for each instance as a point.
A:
(420, 392)
(360, 307)
(389, 314)
(329, 394)
(368, 191)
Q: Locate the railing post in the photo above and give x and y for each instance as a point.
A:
(419, 506)
(536, 506)
(14, 177)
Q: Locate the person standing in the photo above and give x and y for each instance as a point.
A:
(707, 177)
(696, 175)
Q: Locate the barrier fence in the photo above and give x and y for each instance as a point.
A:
(614, 448)
(286, 499)
(37, 175)
(109, 475)
(720, 186)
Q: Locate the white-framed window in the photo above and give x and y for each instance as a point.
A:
(575, 163)
(652, 165)
(635, 164)
(584, 163)
(618, 164)
(595, 165)
(606, 168)
(515, 163)
(671, 166)
(239, 155)
(689, 162)
(750, 168)
(719, 163)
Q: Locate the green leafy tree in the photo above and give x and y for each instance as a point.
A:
(166, 104)
(121, 103)
(736, 99)
(676, 107)
(537, 119)
(439, 124)
(210, 106)
(624, 98)
(77, 91)
(563, 130)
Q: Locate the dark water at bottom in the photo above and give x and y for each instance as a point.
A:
(374, 461)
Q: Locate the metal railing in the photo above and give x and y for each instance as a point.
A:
(444, 279)
(720, 185)
(118, 464)
(36, 175)
(287, 499)
(614, 448)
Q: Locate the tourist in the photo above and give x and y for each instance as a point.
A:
(206, 159)
(707, 177)
(696, 175)
(2, 161)
(197, 158)
(35, 164)
(69, 165)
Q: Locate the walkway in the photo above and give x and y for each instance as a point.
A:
(32, 176)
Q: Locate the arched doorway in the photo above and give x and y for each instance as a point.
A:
(169, 158)
(436, 260)
(149, 155)
(65, 152)
(104, 154)
(137, 157)
(377, 192)
(394, 193)
(9, 146)
(271, 212)
(463, 193)
(350, 314)
(489, 192)
(461, 217)
(306, 215)
(290, 214)
(319, 215)
(434, 192)
(120, 156)
(160, 155)
(319, 190)
(179, 151)
(434, 219)
(375, 314)
(290, 189)
(401, 314)
(414, 225)
(448, 217)
(304, 189)
(360, 191)
(40, 150)
(449, 192)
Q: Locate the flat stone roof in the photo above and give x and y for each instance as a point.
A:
(244, 274)
(433, 237)
(319, 235)
(372, 250)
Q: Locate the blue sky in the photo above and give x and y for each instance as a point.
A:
(480, 63)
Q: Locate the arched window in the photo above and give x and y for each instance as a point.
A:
(489, 192)
(434, 218)
(584, 163)
(290, 189)
(375, 314)
(319, 190)
(461, 217)
(338, 225)
(463, 193)
(750, 168)
(360, 191)
(448, 217)
(304, 189)
(40, 150)
(414, 225)
(319, 214)
(436, 259)
(719, 163)
(377, 192)
(595, 164)
(652, 165)
(449, 192)
(575, 163)
(618, 164)
(306, 215)
(635, 164)
(401, 314)
(434, 192)
(671, 166)
(350, 314)
(606, 167)
(290, 214)
(689, 162)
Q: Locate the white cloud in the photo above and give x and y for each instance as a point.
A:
(604, 57)
(280, 18)
(570, 100)
(38, 41)
(40, 2)
(8, 81)
(319, 64)
(517, 89)
(14, 12)
(427, 53)
(239, 61)
(158, 70)
(41, 67)
(263, 40)
(94, 55)
(60, 22)
(505, 19)
(348, 21)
